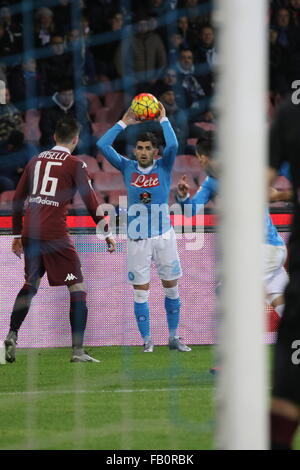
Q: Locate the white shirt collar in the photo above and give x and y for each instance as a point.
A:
(148, 169)
(61, 149)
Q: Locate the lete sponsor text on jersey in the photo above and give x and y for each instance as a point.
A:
(144, 181)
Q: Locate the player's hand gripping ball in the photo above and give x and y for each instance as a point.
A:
(145, 106)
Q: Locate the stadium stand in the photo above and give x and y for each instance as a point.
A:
(91, 39)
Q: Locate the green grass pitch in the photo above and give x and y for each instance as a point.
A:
(130, 401)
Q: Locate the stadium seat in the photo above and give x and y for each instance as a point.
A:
(112, 197)
(187, 164)
(6, 200)
(31, 125)
(192, 141)
(99, 128)
(115, 102)
(94, 105)
(92, 165)
(108, 181)
(207, 126)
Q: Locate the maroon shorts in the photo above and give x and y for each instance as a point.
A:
(58, 258)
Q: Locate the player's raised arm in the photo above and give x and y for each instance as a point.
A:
(105, 142)
(204, 194)
(170, 150)
(84, 186)
(280, 196)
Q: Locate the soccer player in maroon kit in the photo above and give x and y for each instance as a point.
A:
(50, 181)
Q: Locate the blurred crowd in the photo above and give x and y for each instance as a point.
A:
(89, 58)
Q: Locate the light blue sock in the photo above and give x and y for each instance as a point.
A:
(172, 307)
(141, 311)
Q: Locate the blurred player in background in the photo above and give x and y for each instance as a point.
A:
(285, 147)
(50, 181)
(150, 234)
(274, 249)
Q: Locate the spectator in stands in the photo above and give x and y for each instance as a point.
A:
(172, 4)
(187, 34)
(196, 17)
(107, 52)
(10, 120)
(64, 104)
(25, 84)
(5, 44)
(176, 116)
(179, 120)
(286, 32)
(142, 56)
(289, 39)
(99, 12)
(62, 16)
(294, 7)
(206, 52)
(170, 78)
(84, 63)
(278, 65)
(155, 9)
(14, 156)
(175, 43)
(58, 68)
(196, 88)
(44, 26)
(13, 31)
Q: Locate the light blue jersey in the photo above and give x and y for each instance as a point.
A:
(148, 192)
(209, 189)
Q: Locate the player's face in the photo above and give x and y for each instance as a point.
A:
(203, 160)
(144, 153)
(208, 164)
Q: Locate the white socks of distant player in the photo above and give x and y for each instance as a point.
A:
(171, 292)
(141, 296)
(141, 310)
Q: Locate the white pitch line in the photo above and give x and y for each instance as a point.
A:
(136, 390)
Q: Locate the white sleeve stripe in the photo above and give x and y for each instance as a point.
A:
(181, 199)
(122, 124)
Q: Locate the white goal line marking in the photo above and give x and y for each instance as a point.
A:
(135, 390)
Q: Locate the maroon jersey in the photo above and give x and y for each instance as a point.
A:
(50, 181)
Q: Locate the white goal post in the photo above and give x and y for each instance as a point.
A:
(241, 103)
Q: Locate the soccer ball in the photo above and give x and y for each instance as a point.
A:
(145, 106)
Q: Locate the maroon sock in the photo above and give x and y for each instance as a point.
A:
(282, 432)
(78, 317)
(21, 306)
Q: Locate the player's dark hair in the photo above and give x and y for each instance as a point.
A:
(206, 144)
(148, 136)
(66, 129)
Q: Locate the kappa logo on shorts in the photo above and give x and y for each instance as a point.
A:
(70, 277)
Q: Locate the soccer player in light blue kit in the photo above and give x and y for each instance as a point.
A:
(149, 230)
(274, 249)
